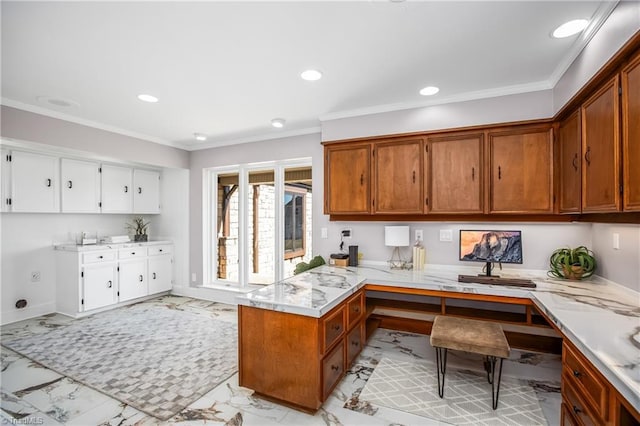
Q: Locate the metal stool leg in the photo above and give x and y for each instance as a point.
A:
(495, 388)
(441, 368)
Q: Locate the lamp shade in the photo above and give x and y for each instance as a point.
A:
(396, 236)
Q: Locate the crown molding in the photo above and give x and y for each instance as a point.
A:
(253, 138)
(462, 97)
(84, 122)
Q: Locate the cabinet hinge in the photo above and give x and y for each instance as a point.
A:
(8, 157)
(100, 204)
(118, 269)
(554, 199)
(8, 201)
(82, 274)
(82, 301)
(118, 294)
(620, 91)
(373, 202)
(373, 152)
(426, 201)
(621, 191)
(426, 148)
(99, 169)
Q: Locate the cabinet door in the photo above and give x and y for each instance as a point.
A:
(454, 173)
(521, 171)
(347, 179)
(570, 164)
(5, 175)
(34, 183)
(99, 286)
(132, 279)
(631, 134)
(117, 193)
(601, 150)
(80, 186)
(146, 191)
(398, 177)
(160, 273)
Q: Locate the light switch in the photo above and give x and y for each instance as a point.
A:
(616, 241)
(324, 233)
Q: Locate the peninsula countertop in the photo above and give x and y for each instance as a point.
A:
(599, 317)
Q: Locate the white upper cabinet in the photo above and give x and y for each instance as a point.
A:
(5, 189)
(80, 186)
(117, 190)
(146, 191)
(34, 183)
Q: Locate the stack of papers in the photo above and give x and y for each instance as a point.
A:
(117, 239)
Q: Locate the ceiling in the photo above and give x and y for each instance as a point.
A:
(226, 69)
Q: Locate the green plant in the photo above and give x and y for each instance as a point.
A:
(572, 263)
(138, 226)
(304, 266)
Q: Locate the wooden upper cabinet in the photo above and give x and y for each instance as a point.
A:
(601, 150)
(570, 164)
(398, 176)
(521, 164)
(631, 134)
(454, 173)
(347, 174)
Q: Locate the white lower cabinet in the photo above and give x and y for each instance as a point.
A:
(99, 286)
(92, 279)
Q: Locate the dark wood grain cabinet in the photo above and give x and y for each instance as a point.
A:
(454, 173)
(296, 359)
(631, 134)
(570, 164)
(398, 170)
(521, 170)
(347, 174)
(601, 186)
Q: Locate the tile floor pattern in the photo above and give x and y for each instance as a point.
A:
(32, 394)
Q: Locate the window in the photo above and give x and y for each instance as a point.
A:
(260, 222)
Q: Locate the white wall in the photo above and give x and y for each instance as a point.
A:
(622, 265)
(502, 109)
(621, 25)
(27, 246)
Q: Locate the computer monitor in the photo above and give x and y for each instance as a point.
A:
(491, 247)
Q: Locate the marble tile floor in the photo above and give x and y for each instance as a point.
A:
(33, 394)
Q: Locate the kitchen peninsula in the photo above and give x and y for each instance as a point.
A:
(305, 332)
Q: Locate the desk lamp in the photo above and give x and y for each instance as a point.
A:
(396, 237)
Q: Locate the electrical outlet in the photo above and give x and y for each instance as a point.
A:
(193, 277)
(419, 235)
(324, 233)
(346, 233)
(446, 235)
(35, 276)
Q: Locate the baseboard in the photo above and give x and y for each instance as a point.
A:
(15, 315)
(205, 293)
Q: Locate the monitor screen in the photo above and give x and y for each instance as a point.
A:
(491, 246)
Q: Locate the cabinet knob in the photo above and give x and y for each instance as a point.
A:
(48, 183)
(154, 275)
(139, 190)
(577, 374)
(133, 253)
(69, 184)
(587, 156)
(160, 250)
(356, 309)
(576, 409)
(355, 343)
(575, 162)
(335, 327)
(109, 284)
(140, 278)
(335, 367)
(101, 257)
(126, 188)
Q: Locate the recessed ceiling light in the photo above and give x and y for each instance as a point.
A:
(147, 98)
(57, 102)
(311, 75)
(278, 123)
(429, 91)
(570, 28)
(200, 137)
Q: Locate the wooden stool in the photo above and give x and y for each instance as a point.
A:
(480, 337)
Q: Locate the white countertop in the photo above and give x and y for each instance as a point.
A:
(601, 318)
(104, 246)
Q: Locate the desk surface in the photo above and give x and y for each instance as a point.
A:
(601, 318)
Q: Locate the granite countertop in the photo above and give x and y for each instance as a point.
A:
(105, 246)
(601, 318)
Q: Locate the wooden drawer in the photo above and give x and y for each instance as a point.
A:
(576, 406)
(354, 343)
(355, 309)
(566, 416)
(99, 256)
(332, 369)
(585, 380)
(128, 253)
(332, 328)
(161, 249)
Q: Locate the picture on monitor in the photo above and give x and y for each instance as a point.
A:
(491, 246)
